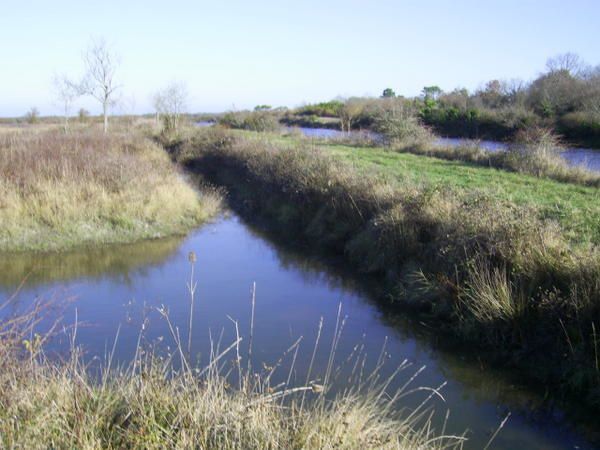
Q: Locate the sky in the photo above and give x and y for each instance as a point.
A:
(237, 54)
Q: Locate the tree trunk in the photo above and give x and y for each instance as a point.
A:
(66, 120)
(105, 111)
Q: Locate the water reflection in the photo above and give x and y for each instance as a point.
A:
(469, 376)
(294, 290)
(117, 262)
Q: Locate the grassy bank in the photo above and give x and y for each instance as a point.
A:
(61, 409)
(573, 207)
(59, 191)
(535, 152)
(507, 261)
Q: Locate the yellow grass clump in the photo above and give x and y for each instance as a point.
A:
(58, 190)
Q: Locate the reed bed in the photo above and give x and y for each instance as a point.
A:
(59, 191)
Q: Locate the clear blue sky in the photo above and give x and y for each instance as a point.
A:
(242, 53)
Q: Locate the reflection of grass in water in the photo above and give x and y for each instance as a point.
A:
(310, 265)
(115, 260)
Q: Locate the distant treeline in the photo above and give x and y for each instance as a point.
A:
(565, 97)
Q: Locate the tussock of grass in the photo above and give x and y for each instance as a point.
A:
(59, 191)
(490, 296)
(511, 261)
(63, 408)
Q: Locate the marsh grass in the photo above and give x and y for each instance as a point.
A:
(509, 276)
(59, 190)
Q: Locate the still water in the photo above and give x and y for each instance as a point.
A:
(588, 158)
(119, 288)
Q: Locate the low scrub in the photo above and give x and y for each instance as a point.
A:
(251, 121)
(59, 191)
(402, 130)
(497, 273)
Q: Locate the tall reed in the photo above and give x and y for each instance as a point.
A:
(163, 400)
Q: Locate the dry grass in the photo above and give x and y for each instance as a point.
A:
(63, 190)
(490, 295)
(61, 407)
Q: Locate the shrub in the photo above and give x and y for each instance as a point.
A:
(259, 120)
(401, 129)
(32, 116)
(323, 109)
(535, 151)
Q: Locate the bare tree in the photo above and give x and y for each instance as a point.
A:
(33, 115)
(515, 91)
(83, 115)
(171, 103)
(350, 112)
(570, 63)
(159, 106)
(99, 82)
(66, 92)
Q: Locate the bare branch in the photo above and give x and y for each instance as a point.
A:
(66, 92)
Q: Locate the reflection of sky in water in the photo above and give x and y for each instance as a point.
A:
(292, 294)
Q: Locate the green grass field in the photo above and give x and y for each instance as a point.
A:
(575, 207)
